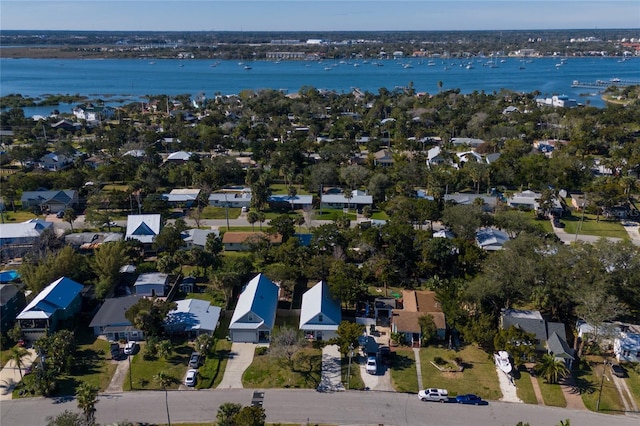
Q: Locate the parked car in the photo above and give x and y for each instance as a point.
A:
(60, 214)
(385, 354)
(617, 370)
(190, 379)
(433, 394)
(130, 348)
(109, 224)
(195, 360)
(372, 365)
(470, 399)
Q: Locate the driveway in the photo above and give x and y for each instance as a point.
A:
(331, 380)
(240, 358)
(382, 380)
(10, 375)
(507, 387)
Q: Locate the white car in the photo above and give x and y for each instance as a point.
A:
(190, 380)
(433, 394)
(372, 365)
(130, 347)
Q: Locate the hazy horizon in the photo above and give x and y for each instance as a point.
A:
(318, 15)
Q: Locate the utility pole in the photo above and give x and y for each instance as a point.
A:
(130, 381)
(349, 369)
(226, 208)
(604, 370)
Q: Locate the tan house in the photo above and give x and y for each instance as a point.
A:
(415, 304)
(241, 241)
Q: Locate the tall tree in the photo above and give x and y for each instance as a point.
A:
(106, 263)
(70, 216)
(17, 355)
(551, 369)
(226, 413)
(87, 397)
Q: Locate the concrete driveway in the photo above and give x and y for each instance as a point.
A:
(331, 380)
(10, 375)
(240, 358)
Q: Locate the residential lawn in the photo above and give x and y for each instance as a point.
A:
(143, 371)
(5, 355)
(281, 188)
(210, 212)
(272, 214)
(355, 380)
(379, 215)
(589, 374)
(524, 388)
(544, 224)
(115, 187)
(211, 294)
(333, 214)
(479, 375)
(404, 376)
(266, 372)
(591, 226)
(633, 381)
(19, 216)
(551, 394)
(244, 228)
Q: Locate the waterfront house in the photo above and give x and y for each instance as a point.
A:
(58, 302)
(255, 313)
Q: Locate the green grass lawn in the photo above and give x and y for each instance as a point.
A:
(333, 214)
(210, 212)
(551, 394)
(355, 380)
(143, 371)
(115, 187)
(267, 372)
(19, 216)
(633, 381)
(524, 388)
(281, 188)
(404, 376)
(589, 375)
(479, 375)
(379, 215)
(591, 226)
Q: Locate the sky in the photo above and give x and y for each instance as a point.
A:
(317, 15)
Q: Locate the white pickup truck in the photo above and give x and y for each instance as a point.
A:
(433, 394)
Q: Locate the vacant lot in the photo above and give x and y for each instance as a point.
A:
(267, 372)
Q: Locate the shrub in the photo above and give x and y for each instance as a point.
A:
(439, 360)
(261, 350)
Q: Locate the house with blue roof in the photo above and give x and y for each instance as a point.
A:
(320, 313)
(59, 301)
(255, 313)
(143, 227)
(54, 201)
(192, 317)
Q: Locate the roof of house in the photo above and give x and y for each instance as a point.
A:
(259, 296)
(532, 322)
(298, 199)
(112, 311)
(357, 197)
(241, 237)
(198, 237)
(194, 314)
(179, 156)
(319, 300)
(182, 195)
(151, 278)
(63, 196)
(230, 196)
(7, 292)
(416, 303)
(491, 239)
(143, 227)
(56, 296)
(559, 347)
(31, 228)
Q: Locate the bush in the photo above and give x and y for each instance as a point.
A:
(261, 350)
(439, 360)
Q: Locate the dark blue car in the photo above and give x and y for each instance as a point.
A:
(470, 399)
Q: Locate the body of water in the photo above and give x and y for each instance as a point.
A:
(128, 80)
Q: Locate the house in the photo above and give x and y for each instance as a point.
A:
(54, 161)
(471, 142)
(416, 304)
(491, 239)
(59, 301)
(435, 156)
(626, 344)
(231, 199)
(49, 201)
(255, 312)
(179, 157)
(18, 238)
(110, 320)
(188, 285)
(292, 203)
(90, 112)
(153, 284)
(241, 241)
(182, 197)
(530, 200)
(383, 158)
(192, 317)
(12, 301)
(320, 313)
(358, 199)
(198, 237)
(91, 240)
(559, 101)
(550, 336)
(383, 310)
(143, 227)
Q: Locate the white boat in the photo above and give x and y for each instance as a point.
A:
(502, 361)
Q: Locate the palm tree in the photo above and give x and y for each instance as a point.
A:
(87, 397)
(165, 349)
(165, 380)
(551, 369)
(252, 218)
(17, 354)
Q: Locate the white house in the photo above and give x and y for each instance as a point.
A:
(255, 312)
(182, 196)
(626, 346)
(320, 313)
(193, 317)
(24, 233)
(143, 227)
(230, 199)
(153, 284)
(358, 200)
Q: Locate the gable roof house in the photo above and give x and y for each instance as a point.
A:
(416, 304)
(295, 202)
(255, 312)
(110, 321)
(182, 197)
(192, 317)
(551, 336)
(58, 302)
(143, 227)
(17, 238)
(320, 313)
(54, 161)
(358, 200)
(197, 237)
(230, 199)
(241, 241)
(52, 201)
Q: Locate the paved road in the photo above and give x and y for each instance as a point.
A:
(300, 406)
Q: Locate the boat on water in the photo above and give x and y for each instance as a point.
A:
(503, 362)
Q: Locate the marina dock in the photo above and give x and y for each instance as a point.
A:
(602, 84)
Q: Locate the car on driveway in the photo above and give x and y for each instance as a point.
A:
(130, 348)
(617, 370)
(109, 224)
(195, 360)
(372, 365)
(469, 399)
(434, 394)
(190, 379)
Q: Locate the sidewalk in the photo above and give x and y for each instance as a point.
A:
(10, 375)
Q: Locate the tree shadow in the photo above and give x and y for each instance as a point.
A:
(309, 366)
(581, 384)
(402, 362)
